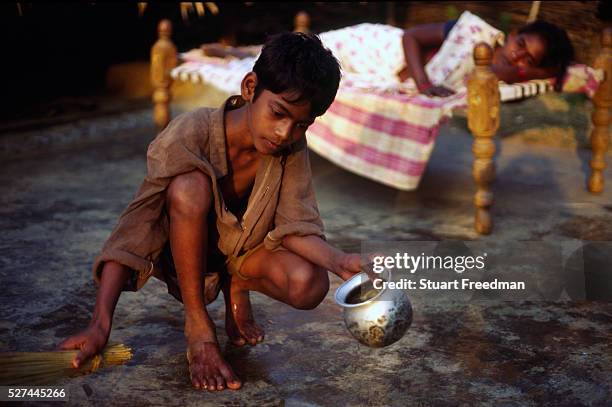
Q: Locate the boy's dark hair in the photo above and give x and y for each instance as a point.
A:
(298, 62)
(559, 49)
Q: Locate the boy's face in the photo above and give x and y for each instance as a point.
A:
(274, 122)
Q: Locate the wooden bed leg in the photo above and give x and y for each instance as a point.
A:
(483, 121)
(602, 102)
(163, 59)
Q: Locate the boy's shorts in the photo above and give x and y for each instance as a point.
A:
(218, 268)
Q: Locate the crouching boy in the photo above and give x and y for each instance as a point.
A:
(228, 205)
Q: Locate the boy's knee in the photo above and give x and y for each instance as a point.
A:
(190, 194)
(309, 285)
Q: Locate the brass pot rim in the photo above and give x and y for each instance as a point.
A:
(349, 285)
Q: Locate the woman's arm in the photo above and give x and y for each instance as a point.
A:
(512, 73)
(223, 51)
(415, 41)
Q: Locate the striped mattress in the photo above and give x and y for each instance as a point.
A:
(384, 136)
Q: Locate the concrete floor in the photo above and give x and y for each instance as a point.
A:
(57, 209)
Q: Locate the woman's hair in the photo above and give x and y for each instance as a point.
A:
(559, 49)
(298, 62)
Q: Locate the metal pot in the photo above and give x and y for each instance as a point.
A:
(378, 321)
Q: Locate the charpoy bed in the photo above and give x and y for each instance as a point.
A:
(389, 136)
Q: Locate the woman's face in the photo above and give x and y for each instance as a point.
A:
(524, 50)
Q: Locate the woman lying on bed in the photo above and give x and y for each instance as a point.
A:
(438, 56)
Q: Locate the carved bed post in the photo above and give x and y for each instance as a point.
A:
(602, 102)
(163, 59)
(483, 121)
(301, 22)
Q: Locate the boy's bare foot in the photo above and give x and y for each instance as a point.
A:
(239, 322)
(207, 368)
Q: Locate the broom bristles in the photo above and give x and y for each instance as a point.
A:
(47, 367)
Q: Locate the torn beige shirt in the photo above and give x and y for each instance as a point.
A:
(282, 201)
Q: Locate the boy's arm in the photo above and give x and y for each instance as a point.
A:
(298, 225)
(414, 41)
(93, 339)
(114, 277)
(321, 253)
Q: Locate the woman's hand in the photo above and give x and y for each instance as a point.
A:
(90, 341)
(439, 91)
(428, 89)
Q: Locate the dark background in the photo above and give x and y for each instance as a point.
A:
(64, 49)
(55, 49)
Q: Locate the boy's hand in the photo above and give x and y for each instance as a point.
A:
(90, 341)
(348, 264)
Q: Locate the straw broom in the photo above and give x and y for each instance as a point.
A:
(45, 368)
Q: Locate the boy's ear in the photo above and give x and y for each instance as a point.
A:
(247, 88)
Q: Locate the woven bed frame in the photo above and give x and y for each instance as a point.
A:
(483, 113)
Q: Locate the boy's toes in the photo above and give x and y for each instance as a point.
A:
(234, 385)
(233, 333)
(252, 333)
(257, 334)
(230, 378)
(211, 384)
(260, 335)
(220, 382)
(199, 381)
(252, 338)
(196, 381)
(238, 341)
